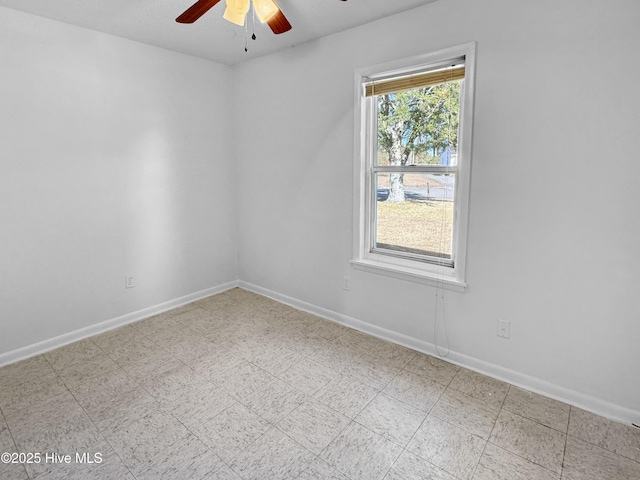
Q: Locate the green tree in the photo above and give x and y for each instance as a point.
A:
(422, 121)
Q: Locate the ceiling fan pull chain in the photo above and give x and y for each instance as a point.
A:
(246, 28)
(253, 11)
(246, 36)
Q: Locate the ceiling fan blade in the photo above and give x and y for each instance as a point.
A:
(195, 11)
(279, 23)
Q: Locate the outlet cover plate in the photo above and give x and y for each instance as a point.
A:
(504, 328)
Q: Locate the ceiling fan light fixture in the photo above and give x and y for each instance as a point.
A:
(236, 11)
(265, 9)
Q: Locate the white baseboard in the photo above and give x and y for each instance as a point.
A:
(67, 338)
(533, 384)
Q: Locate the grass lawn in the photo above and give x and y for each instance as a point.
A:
(416, 225)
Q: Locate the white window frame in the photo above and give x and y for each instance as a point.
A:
(364, 255)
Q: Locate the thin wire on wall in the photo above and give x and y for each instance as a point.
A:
(439, 290)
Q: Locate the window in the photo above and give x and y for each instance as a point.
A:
(413, 163)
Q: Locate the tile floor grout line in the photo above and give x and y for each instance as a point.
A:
(115, 452)
(566, 442)
(406, 449)
(523, 458)
(484, 448)
(15, 444)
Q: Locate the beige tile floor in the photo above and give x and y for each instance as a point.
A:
(237, 386)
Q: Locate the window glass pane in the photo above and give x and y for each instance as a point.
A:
(414, 213)
(419, 126)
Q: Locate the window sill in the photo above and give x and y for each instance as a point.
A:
(410, 274)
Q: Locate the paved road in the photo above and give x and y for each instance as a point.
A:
(431, 193)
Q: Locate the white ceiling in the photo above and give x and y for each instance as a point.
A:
(212, 37)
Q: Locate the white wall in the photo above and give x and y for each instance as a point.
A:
(115, 159)
(554, 228)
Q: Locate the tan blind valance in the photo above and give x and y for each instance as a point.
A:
(420, 80)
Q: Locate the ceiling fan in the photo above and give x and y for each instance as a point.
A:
(267, 11)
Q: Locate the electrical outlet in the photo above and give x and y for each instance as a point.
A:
(504, 328)
(129, 282)
(345, 283)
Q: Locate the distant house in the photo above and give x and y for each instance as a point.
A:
(448, 157)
